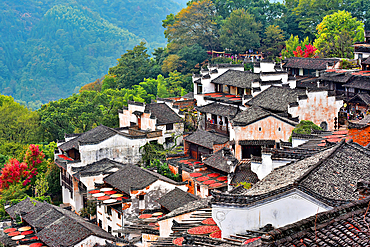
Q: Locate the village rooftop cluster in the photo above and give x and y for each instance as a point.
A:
(243, 177)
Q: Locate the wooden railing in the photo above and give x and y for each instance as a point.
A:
(222, 129)
(67, 183)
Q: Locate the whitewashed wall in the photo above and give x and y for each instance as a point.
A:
(262, 169)
(318, 107)
(91, 241)
(278, 212)
(118, 148)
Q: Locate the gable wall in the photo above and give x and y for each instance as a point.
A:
(269, 131)
(279, 212)
(117, 147)
(126, 117)
(147, 122)
(318, 107)
(91, 241)
(165, 225)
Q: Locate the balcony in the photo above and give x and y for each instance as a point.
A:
(218, 128)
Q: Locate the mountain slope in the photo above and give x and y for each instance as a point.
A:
(48, 51)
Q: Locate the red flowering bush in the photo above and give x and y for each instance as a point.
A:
(308, 52)
(15, 172)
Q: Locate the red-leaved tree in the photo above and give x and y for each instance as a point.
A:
(309, 51)
(15, 172)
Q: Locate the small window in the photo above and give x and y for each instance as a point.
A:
(259, 128)
(169, 126)
(324, 125)
(190, 183)
(110, 229)
(279, 129)
(100, 223)
(119, 215)
(109, 210)
(199, 89)
(141, 197)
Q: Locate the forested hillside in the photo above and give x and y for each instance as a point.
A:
(49, 49)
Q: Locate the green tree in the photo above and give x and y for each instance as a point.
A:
(41, 185)
(304, 127)
(337, 33)
(310, 13)
(273, 41)
(17, 123)
(239, 32)
(192, 55)
(194, 25)
(132, 68)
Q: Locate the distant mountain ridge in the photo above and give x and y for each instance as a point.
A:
(50, 49)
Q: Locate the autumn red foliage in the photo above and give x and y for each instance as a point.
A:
(308, 52)
(15, 172)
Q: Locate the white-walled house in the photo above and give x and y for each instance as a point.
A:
(295, 191)
(92, 146)
(55, 226)
(153, 117)
(141, 188)
(230, 84)
(139, 124)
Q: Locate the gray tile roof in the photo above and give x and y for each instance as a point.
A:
(366, 61)
(244, 173)
(255, 113)
(189, 95)
(163, 113)
(98, 134)
(132, 177)
(97, 168)
(364, 97)
(241, 79)
(360, 82)
(189, 207)
(276, 98)
(219, 161)
(336, 77)
(176, 198)
(60, 227)
(336, 176)
(219, 109)
(25, 206)
(341, 226)
(206, 138)
(286, 175)
(330, 176)
(309, 63)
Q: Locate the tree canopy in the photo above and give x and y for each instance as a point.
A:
(239, 32)
(194, 25)
(337, 33)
